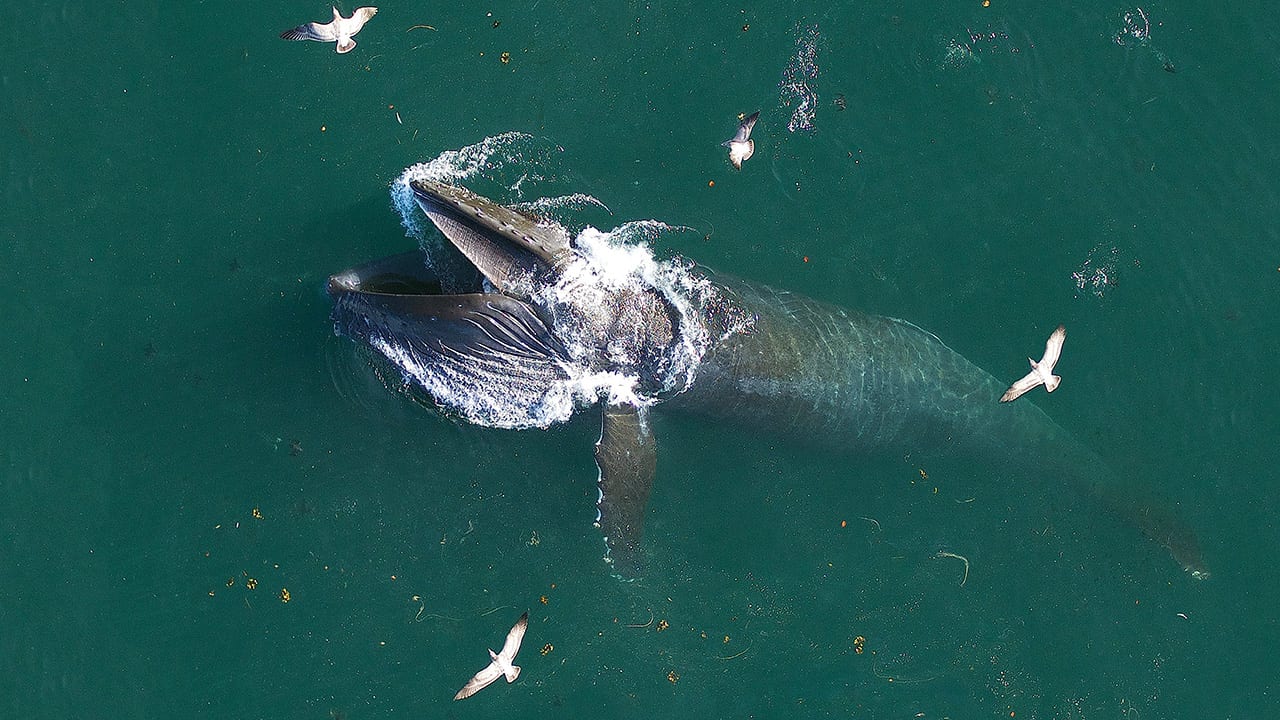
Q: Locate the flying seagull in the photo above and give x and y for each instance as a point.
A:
(741, 145)
(501, 664)
(340, 29)
(1041, 372)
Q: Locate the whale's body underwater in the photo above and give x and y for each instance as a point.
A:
(549, 331)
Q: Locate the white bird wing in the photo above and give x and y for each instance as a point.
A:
(514, 638)
(361, 16)
(482, 680)
(1025, 383)
(321, 32)
(1053, 348)
(744, 128)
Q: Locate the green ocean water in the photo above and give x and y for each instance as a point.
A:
(178, 183)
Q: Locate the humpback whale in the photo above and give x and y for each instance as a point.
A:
(549, 330)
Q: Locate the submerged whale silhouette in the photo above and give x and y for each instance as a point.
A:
(552, 330)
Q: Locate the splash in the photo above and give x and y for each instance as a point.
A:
(1097, 273)
(610, 274)
(511, 165)
(799, 78)
(510, 159)
(958, 55)
(1135, 29)
(621, 263)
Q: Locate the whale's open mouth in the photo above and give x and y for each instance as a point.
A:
(516, 252)
(542, 326)
(550, 328)
(403, 274)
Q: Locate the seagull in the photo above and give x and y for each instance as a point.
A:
(1041, 372)
(501, 664)
(340, 29)
(741, 145)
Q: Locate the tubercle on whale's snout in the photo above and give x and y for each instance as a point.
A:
(343, 282)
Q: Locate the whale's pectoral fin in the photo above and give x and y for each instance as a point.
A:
(627, 456)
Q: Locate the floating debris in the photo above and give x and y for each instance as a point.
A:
(965, 560)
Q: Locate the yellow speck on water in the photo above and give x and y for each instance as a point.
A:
(284, 595)
(257, 514)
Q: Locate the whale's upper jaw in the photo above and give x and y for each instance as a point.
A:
(516, 252)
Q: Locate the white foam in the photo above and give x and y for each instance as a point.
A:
(555, 205)
(606, 264)
(453, 167)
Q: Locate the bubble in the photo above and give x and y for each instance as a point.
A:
(799, 79)
(1097, 273)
